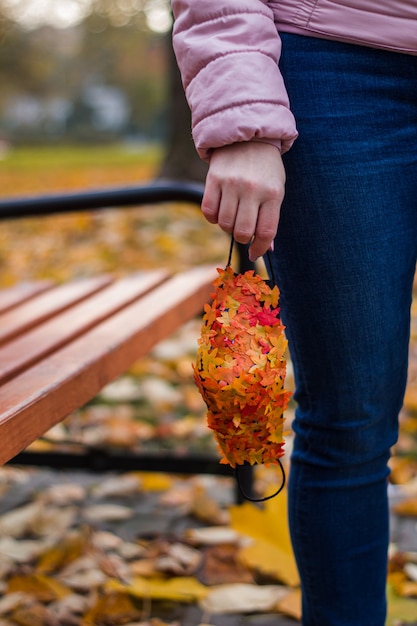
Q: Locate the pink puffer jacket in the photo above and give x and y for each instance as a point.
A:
(228, 52)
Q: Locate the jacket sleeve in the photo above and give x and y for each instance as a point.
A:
(228, 53)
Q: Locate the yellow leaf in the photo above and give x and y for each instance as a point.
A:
(183, 589)
(63, 553)
(268, 522)
(271, 552)
(403, 469)
(291, 604)
(44, 588)
(402, 585)
(410, 399)
(154, 481)
(265, 557)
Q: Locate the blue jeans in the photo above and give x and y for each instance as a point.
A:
(344, 260)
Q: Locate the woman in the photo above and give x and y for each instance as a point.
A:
(343, 77)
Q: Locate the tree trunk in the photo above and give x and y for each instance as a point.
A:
(181, 161)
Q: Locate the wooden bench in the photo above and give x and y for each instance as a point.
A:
(61, 344)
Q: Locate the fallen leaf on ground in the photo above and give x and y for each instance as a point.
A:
(264, 557)
(22, 551)
(411, 571)
(143, 568)
(107, 512)
(69, 549)
(179, 496)
(153, 622)
(212, 535)
(69, 609)
(184, 589)
(221, 566)
(44, 588)
(290, 604)
(34, 615)
(241, 598)
(20, 521)
(403, 469)
(118, 486)
(128, 550)
(207, 509)
(82, 564)
(271, 551)
(114, 566)
(179, 559)
(115, 608)
(55, 521)
(11, 601)
(105, 540)
(62, 494)
(154, 481)
(83, 582)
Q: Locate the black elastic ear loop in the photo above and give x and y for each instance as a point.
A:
(264, 498)
(229, 259)
(238, 467)
(268, 256)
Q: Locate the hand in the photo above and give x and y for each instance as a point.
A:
(244, 190)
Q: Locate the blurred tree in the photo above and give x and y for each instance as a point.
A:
(129, 57)
(181, 160)
(26, 62)
(112, 45)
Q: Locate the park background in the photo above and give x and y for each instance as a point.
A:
(90, 98)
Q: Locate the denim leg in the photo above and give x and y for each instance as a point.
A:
(344, 260)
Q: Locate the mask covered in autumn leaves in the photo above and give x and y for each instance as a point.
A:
(240, 368)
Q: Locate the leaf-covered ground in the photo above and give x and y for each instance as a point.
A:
(141, 548)
(116, 240)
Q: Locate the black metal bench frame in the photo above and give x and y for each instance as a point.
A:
(97, 459)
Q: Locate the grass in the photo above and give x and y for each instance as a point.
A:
(22, 159)
(43, 169)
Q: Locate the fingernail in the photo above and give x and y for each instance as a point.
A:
(271, 247)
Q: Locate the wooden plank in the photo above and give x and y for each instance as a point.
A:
(41, 341)
(43, 395)
(45, 305)
(21, 292)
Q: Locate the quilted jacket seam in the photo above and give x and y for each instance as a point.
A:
(229, 53)
(234, 105)
(298, 16)
(219, 17)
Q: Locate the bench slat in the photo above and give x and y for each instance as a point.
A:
(40, 308)
(15, 295)
(46, 338)
(40, 397)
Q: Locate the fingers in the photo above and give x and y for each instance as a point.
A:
(244, 214)
(265, 231)
(251, 220)
(243, 193)
(211, 201)
(246, 218)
